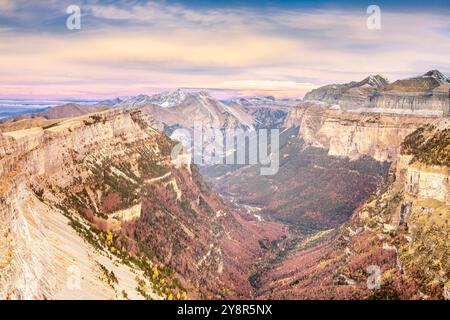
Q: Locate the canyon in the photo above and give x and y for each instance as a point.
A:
(94, 207)
(397, 230)
(400, 232)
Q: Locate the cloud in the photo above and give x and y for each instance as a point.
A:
(6, 5)
(264, 87)
(146, 47)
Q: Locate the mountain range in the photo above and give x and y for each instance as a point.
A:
(267, 102)
(167, 109)
(63, 111)
(426, 95)
(165, 99)
(93, 206)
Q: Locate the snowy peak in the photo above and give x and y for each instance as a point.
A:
(376, 81)
(436, 74)
(136, 101)
(170, 99)
(166, 99)
(127, 102)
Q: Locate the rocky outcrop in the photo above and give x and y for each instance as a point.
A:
(42, 256)
(429, 182)
(353, 135)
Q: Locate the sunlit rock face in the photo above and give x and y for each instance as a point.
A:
(40, 251)
(353, 135)
(429, 182)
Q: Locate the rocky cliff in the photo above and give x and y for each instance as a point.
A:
(353, 135)
(43, 255)
(352, 92)
(396, 245)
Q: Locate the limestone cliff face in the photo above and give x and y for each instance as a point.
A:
(433, 103)
(428, 182)
(426, 94)
(353, 135)
(402, 231)
(41, 255)
(370, 117)
(45, 149)
(426, 159)
(411, 215)
(420, 212)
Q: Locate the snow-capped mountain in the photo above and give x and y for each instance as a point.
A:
(178, 108)
(169, 99)
(437, 75)
(374, 81)
(112, 102)
(424, 95)
(166, 99)
(183, 109)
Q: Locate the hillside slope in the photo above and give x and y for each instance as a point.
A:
(396, 245)
(93, 207)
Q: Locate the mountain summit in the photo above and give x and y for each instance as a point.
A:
(181, 108)
(376, 81)
(436, 74)
(166, 99)
(169, 99)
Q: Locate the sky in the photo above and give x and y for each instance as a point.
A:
(231, 48)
